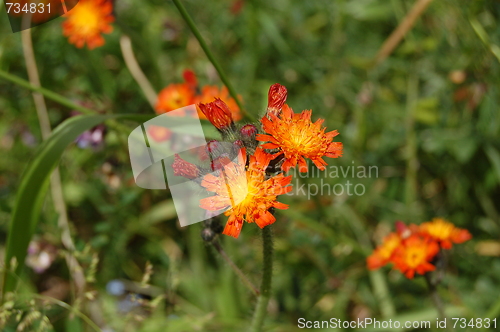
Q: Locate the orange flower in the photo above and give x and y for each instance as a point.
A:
(218, 113)
(276, 98)
(174, 96)
(415, 255)
(210, 92)
(383, 254)
(297, 137)
(159, 133)
(444, 232)
(87, 21)
(245, 192)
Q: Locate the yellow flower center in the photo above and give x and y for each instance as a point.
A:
(414, 256)
(86, 18)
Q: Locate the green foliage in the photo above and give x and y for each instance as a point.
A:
(434, 139)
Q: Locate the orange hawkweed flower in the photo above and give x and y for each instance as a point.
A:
(415, 255)
(159, 133)
(174, 96)
(296, 136)
(210, 92)
(218, 113)
(383, 253)
(87, 21)
(245, 192)
(444, 232)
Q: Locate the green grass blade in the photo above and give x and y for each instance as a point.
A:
(32, 191)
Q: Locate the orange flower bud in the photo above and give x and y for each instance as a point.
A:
(218, 113)
(276, 98)
(185, 168)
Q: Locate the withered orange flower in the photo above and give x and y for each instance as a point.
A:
(218, 113)
(415, 255)
(276, 98)
(87, 21)
(245, 193)
(383, 253)
(211, 92)
(174, 96)
(184, 168)
(444, 232)
(297, 137)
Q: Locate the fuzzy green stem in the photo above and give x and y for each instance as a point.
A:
(210, 56)
(58, 98)
(267, 274)
(47, 93)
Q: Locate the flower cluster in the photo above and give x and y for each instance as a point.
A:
(178, 95)
(245, 175)
(87, 21)
(413, 249)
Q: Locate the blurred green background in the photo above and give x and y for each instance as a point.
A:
(427, 117)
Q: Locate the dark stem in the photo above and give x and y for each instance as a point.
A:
(436, 299)
(189, 21)
(267, 274)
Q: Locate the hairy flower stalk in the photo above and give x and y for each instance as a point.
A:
(246, 177)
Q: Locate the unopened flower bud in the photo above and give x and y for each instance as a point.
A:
(185, 168)
(220, 162)
(248, 131)
(218, 113)
(214, 149)
(276, 99)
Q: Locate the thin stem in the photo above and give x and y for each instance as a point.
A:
(267, 274)
(71, 309)
(210, 56)
(397, 35)
(235, 268)
(436, 299)
(46, 93)
(136, 71)
(55, 180)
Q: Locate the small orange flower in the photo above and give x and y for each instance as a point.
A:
(218, 113)
(184, 168)
(415, 255)
(245, 192)
(444, 232)
(297, 137)
(383, 254)
(210, 92)
(276, 98)
(159, 133)
(174, 96)
(87, 21)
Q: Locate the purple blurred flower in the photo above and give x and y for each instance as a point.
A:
(92, 138)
